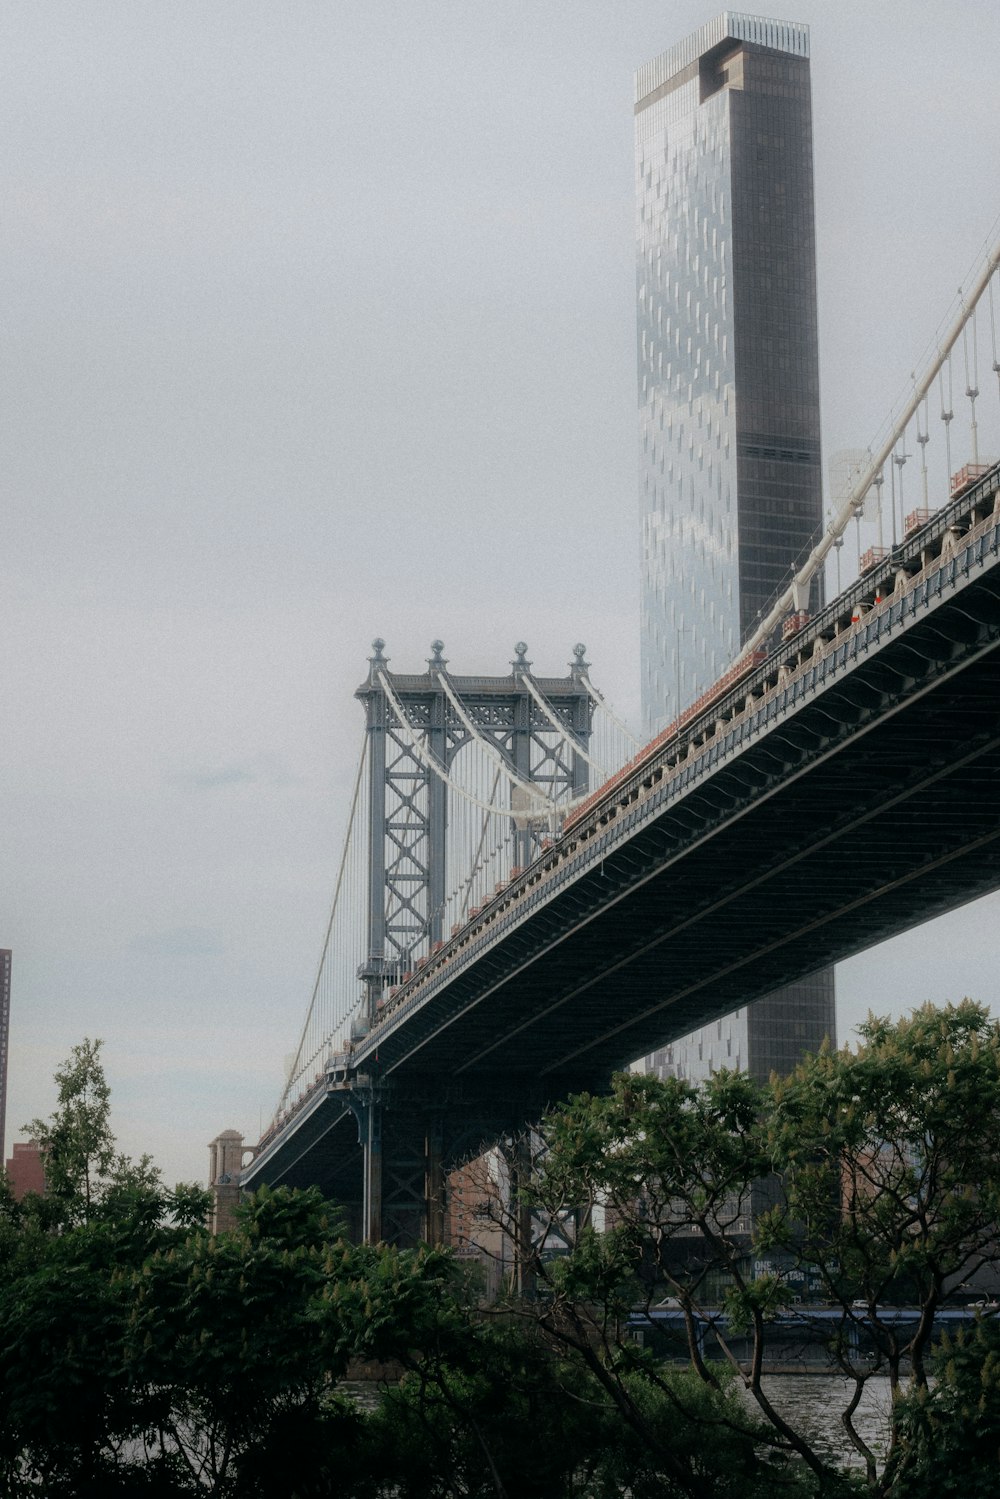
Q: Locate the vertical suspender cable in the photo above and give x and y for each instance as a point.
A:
(819, 553)
(561, 728)
(993, 336)
(923, 438)
(972, 381)
(947, 415)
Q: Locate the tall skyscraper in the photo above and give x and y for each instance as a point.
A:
(4, 1039)
(728, 402)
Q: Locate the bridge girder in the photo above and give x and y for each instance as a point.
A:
(409, 801)
(856, 799)
(852, 816)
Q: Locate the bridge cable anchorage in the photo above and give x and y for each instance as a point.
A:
(299, 1065)
(544, 803)
(792, 596)
(569, 742)
(602, 702)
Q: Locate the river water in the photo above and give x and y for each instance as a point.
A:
(812, 1403)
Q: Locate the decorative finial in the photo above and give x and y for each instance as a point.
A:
(578, 665)
(437, 646)
(378, 646)
(520, 663)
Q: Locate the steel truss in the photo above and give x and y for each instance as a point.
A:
(409, 795)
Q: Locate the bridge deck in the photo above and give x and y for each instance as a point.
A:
(840, 795)
(852, 800)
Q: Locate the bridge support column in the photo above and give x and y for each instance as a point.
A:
(374, 970)
(371, 1145)
(403, 1195)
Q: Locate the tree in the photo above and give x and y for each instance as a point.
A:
(66, 1293)
(890, 1163)
(884, 1168)
(141, 1355)
(672, 1166)
(491, 1414)
(231, 1350)
(497, 1412)
(949, 1445)
(77, 1145)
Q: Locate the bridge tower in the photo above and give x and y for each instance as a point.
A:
(408, 807)
(417, 727)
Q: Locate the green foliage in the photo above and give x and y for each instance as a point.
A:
(949, 1444)
(506, 1416)
(704, 1441)
(683, 1152)
(603, 1269)
(67, 1395)
(762, 1298)
(883, 1168)
(77, 1144)
(498, 1415)
(141, 1356)
(890, 1160)
(291, 1219)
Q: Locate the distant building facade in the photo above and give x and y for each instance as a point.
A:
(473, 1220)
(728, 372)
(26, 1169)
(226, 1154)
(5, 960)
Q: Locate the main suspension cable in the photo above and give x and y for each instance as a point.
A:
(297, 1066)
(562, 729)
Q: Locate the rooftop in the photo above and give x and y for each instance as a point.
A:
(782, 36)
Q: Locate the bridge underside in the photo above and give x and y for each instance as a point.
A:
(875, 806)
(869, 806)
(383, 1152)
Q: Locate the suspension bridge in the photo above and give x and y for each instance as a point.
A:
(528, 898)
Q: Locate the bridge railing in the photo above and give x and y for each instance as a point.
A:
(865, 494)
(495, 816)
(953, 533)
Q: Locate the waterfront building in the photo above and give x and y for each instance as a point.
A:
(728, 375)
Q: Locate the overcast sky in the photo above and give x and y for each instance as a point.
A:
(319, 325)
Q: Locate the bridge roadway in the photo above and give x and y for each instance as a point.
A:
(843, 791)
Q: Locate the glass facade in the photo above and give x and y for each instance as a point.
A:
(765, 1037)
(5, 956)
(728, 376)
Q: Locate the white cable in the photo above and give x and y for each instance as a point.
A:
(601, 702)
(477, 862)
(526, 786)
(428, 759)
(293, 1073)
(561, 728)
(993, 335)
(838, 525)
